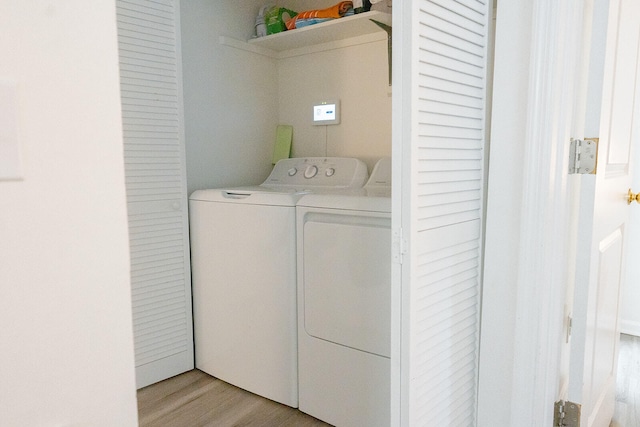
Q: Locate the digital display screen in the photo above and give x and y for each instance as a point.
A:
(326, 112)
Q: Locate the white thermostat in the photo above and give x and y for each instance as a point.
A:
(326, 112)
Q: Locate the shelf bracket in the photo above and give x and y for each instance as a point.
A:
(387, 28)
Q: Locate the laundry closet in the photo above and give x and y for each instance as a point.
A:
(234, 94)
(228, 94)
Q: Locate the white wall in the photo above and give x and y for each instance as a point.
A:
(230, 96)
(65, 307)
(235, 99)
(358, 76)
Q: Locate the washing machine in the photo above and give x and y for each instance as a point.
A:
(344, 303)
(243, 260)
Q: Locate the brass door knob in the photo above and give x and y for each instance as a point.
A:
(631, 197)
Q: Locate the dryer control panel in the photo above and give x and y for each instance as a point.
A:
(318, 172)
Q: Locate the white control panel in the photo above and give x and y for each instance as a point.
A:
(318, 172)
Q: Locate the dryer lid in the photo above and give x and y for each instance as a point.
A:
(375, 196)
(381, 175)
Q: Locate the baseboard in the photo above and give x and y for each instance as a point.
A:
(630, 327)
(162, 369)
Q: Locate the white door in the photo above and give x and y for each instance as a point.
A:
(440, 67)
(630, 315)
(603, 216)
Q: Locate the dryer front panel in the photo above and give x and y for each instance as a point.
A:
(346, 260)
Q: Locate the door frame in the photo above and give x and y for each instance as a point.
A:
(529, 232)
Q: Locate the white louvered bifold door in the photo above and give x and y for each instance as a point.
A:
(151, 88)
(439, 139)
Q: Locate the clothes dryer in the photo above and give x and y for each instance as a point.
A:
(243, 257)
(344, 303)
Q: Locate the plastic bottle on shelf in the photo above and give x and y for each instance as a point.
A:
(360, 6)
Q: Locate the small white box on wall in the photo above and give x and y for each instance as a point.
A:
(326, 112)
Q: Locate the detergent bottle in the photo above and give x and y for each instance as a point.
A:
(276, 17)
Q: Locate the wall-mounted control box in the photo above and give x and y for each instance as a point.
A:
(326, 112)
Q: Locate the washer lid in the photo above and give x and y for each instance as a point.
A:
(291, 179)
(255, 195)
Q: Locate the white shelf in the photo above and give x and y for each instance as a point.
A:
(326, 32)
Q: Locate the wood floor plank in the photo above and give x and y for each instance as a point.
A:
(627, 409)
(195, 399)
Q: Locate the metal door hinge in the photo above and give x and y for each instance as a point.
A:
(583, 156)
(399, 245)
(566, 414)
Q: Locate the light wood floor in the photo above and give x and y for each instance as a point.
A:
(195, 399)
(627, 412)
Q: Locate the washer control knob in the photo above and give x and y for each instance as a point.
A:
(330, 172)
(292, 171)
(310, 171)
